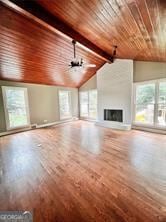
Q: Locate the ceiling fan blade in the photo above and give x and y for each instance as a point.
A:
(90, 65)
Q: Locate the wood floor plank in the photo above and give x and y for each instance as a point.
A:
(82, 172)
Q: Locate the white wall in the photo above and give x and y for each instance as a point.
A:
(43, 102)
(114, 84)
(144, 71)
(90, 84)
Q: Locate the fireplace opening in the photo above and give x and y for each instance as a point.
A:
(113, 115)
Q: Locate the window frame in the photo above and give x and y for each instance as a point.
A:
(70, 104)
(8, 127)
(155, 123)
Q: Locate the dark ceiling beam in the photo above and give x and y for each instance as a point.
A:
(32, 7)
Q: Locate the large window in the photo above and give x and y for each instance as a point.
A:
(93, 104)
(161, 106)
(84, 104)
(16, 107)
(88, 104)
(150, 103)
(65, 104)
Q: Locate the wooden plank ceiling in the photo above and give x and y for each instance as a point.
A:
(33, 52)
(137, 27)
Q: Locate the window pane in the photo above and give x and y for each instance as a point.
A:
(93, 104)
(145, 99)
(161, 114)
(144, 113)
(84, 97)
(64, 101)
(84, 110)
(145, 94)
(84, 104)
(16, 108)
(162, 92)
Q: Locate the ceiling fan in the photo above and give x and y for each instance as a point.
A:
(76, 63)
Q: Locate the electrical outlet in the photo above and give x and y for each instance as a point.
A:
(45, 121)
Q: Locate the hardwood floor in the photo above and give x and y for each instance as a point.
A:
(81, 172)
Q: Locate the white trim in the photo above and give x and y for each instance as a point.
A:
(160, 127)
(14, 131)
(37, 126)
(5, 107)
(56, 123)
(150, 129)
(88, 119)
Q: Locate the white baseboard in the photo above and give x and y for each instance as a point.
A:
(88, 119)
(36, 126)
(114, 125)
(56, 123)
(148, 129)
(15, 131)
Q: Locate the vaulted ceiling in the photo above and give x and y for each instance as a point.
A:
(35, 36)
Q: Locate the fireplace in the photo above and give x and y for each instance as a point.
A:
(113, 115)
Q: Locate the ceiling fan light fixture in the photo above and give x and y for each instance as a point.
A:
(76, 69)
(76, 63)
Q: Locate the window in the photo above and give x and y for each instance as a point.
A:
(150, 103)
(145, 98)
(65, 104)
(93, 104)
(88, 104)
(161, 106)
(16, 107)
(84, 104)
